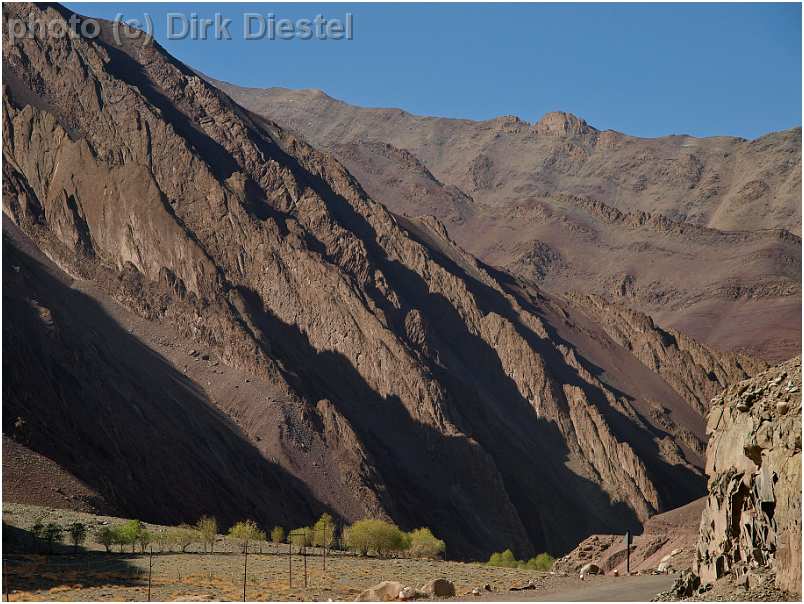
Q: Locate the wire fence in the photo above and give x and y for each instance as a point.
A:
(251, 572)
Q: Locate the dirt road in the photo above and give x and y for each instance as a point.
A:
(594, 589)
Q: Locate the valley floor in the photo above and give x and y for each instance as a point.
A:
(94, 575)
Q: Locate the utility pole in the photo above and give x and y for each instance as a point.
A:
(245, 570)
(326, 543)
(150, 568)
(290, 562)
(304, 555)
(627, 552)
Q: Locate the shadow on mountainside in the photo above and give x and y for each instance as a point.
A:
(119, 417)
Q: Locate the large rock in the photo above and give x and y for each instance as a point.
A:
(385, 591)
(438, 588)
(753, 513)
(591, 569)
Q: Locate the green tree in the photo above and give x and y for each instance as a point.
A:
(37, 532)
(144, 539)
(324, 531)
(423, 544)
(207, 528)
(377, 536)
(129, 533)
(78, 534)
(277, 534)
(106, 537)
(52, 533)
(245, 532)
(183, 536)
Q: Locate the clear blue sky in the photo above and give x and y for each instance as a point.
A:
(648, 70)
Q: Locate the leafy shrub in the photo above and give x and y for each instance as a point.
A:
(324, 531)
(277, 534)
(507, 559)
(183, 536)
(543, 561)
(423, 544)
(301, 537)
(504, 559)
(245, 531)
(207, 528)
(377, 536)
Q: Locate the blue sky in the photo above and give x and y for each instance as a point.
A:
(643, 69)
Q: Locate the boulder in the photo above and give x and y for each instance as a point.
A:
(385, 591)
(591, 569)
(438, 588)
(409, 593)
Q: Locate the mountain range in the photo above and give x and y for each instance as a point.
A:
(703, 234)
(204, 314)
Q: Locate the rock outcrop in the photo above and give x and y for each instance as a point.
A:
(194, 296)
(752, 517)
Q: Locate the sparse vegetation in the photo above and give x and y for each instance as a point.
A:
(207, 528)
(507, 559)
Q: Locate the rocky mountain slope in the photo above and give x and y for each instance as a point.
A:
(703, 234)
(752, 517)
(208, 315)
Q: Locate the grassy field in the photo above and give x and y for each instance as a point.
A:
(95, 575)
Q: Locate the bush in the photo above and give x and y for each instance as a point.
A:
(106, 537)
(207, 528)
(129, 533)
(183, 536)
(301, 537)
(245, 531)
(507, 559)
(375, 536)
(324, 531)
(52, 533)
(78, 534)
(277, 534)
(543, 561)
(144, 539)
(423, 544)
(504, 559)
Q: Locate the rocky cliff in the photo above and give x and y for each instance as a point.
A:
(752, 518)
(207, 315)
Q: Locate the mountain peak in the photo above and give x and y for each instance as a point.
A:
(561, 123)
